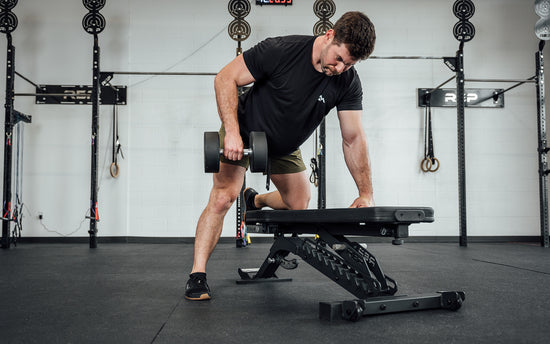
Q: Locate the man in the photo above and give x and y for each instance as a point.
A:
(297, 81)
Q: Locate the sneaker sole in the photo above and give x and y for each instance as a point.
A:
(200, 298)
(244, 201)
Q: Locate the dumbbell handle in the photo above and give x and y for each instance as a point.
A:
(246, 151)
(257, 152)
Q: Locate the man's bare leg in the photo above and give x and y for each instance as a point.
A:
(227, 185)
(293, 192)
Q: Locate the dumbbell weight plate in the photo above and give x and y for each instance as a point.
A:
(258, 154)
(211, 151)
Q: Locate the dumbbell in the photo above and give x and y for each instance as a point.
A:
(257, 153)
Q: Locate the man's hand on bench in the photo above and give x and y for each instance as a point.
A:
(362, 202)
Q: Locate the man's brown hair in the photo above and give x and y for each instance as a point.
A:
(356, 31)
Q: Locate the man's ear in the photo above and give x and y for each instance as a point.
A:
(329, 35)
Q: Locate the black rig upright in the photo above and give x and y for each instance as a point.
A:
(460, 106)
(543, 148)
(8, 23)
(321, 159)
(239, 30)
(94, 23)
(542, 31)
(8, 149)
(324, 10)
(463, 31)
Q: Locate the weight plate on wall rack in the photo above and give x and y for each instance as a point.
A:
(239, 8)
(542, 29)
(324, 8)
(8, 22)
(93, 22)
(239, 30)
(464, 9)
(464, 31)
(321, 27)
(93, 5)
(8, 4)
(542, 8)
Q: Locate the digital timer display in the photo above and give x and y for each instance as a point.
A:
(274, 2)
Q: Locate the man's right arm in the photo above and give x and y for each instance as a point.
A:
(225, 84)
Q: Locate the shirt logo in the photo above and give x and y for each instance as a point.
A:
(321, 99)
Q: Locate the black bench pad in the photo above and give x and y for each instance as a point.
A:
(380, 215)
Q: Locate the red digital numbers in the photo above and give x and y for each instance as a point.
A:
(274, 2)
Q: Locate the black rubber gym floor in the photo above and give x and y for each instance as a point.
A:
(133, 293)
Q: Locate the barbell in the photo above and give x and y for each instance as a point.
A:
(257, 153)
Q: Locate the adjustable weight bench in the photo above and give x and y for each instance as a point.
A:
(346, 262)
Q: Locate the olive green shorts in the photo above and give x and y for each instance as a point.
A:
(291, 163)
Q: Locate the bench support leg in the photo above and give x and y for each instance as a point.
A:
(344, 262)
(354, 309)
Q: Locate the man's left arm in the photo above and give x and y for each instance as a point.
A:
(356, 155)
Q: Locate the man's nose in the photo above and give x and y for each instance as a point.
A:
(340, 66)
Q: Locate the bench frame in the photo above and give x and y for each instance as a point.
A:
(346, 262)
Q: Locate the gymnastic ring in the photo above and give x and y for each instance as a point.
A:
(435, 163)
(426, 164)
(114, 170)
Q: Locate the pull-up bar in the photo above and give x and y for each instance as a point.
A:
(519, 81)
(160, 73)
(408, 57)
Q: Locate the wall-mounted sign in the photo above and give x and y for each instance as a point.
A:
(475, 97)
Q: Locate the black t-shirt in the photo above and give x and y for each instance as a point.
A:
(289, 98)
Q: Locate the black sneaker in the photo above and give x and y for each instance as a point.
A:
(248, 196)
(196, 288)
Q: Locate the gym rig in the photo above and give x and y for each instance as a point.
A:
(103, 92)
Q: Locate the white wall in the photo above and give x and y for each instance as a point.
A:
(162, 188)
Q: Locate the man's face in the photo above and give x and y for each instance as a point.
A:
(335, 59)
